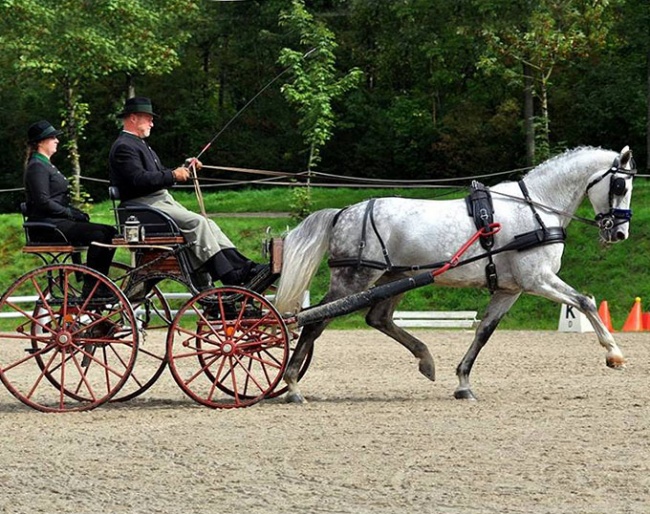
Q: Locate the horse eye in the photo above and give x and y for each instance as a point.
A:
(619, 188)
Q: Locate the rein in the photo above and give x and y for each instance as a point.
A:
(548, 208)
(486, 229)
(603, 220)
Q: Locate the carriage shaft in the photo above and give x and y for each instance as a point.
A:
(361, 300)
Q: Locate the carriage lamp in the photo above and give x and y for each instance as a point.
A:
(133, 230)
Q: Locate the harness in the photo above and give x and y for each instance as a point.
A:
(359, 262)
(479, 207)
(617, 187)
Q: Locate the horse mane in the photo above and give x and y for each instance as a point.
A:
(561, 159)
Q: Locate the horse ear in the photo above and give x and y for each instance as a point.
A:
(626, 155)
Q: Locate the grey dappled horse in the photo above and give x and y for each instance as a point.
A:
(410, 233)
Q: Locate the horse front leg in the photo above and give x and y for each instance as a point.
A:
(499, 305)
(380, 316)
(559, 291)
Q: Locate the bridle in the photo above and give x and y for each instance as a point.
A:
(617, 188)
(604, 221)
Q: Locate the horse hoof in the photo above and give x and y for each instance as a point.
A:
(464, 394)
(295, 398)
(615, 363)
(428, 370)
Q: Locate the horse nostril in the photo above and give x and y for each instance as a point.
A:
(620, 236)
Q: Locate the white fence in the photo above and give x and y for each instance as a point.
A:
(168, 296)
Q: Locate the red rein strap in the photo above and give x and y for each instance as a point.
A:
(493, 228)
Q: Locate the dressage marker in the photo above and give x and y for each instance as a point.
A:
(572, 320)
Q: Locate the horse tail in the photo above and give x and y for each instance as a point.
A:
(304, 248)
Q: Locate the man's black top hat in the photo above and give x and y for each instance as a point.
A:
(41, 130)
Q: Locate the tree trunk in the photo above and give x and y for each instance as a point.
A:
(544, 150)
(529, 115)
(648, 113)
(130, 86)
(73, 143)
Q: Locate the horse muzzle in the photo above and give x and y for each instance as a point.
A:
(614, 225)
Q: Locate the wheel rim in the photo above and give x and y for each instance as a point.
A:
(228, 361)
(65, 353)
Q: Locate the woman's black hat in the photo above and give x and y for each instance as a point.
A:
(41, 130)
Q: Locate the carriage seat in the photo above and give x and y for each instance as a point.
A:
(42, 237)
(159, 227)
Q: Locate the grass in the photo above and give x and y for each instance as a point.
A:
(616, 273)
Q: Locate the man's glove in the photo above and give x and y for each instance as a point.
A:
(77, 215)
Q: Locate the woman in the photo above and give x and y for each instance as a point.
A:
(48, 200)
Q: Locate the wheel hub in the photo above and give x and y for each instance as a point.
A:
(228, 348)
(64, 339)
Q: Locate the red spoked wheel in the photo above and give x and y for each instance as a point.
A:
(61, 350)
(152, 312)
(228, 347)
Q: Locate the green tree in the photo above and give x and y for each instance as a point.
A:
(315, 81)
(69, 44)
(528, 40)
(315, 84)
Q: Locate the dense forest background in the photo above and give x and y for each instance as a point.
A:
(409, 89)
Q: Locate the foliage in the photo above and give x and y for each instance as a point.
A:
(544, 35)
(301, 203)
(314, 84)
(68, 44)
(440, 96)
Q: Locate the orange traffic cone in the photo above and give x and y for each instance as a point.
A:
(634, 323)
(646, 321)
(603, 312)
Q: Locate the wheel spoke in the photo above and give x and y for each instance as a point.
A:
(84, 349)
(242, 353)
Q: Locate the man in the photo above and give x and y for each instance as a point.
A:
(136, 171)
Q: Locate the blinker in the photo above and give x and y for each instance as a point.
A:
(619, 188)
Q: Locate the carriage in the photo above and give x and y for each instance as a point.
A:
(63, 350)
(230, 347)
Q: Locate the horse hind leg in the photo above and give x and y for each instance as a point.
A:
(500, 304)
(343, 282)
(305, 343)
(380, 317)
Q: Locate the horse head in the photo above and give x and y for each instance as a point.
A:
(611, 198)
